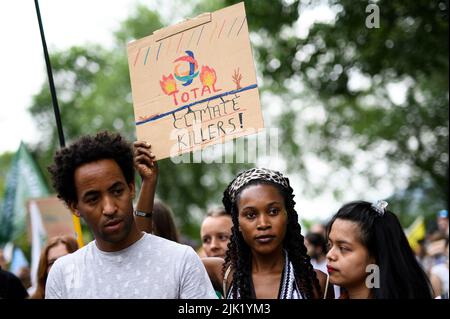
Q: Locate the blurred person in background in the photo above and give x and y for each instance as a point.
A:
(24, 274)
(318, 228)
(3, 263)
(55, 248)
(442, 222)
(215, 232)
(422, 256)
(159, 223)
(436, 251)
(11, 287)
(317, 249)
(440, 275)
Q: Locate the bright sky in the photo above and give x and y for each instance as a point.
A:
(77, 22)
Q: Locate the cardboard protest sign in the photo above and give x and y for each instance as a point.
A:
(194, 83)
(56, 218)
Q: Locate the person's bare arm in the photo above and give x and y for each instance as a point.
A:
(436, 284)
(147, 167)
(213, 267)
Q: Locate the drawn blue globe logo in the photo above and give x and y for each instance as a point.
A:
(187, 76)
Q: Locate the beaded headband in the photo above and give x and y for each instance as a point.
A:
(256, 174)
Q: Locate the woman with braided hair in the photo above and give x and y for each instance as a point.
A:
(266, 257)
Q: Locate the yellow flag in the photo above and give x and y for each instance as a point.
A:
(415, 232)
(77, 226)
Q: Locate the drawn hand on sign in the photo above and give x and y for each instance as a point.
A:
(237, 77)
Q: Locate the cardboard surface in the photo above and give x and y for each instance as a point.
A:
(194, 83)
(56, 217)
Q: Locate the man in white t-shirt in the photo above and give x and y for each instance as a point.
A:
(95, 177)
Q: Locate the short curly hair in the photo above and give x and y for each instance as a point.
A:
(103, 145)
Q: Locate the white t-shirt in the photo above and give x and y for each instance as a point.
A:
(151, 268)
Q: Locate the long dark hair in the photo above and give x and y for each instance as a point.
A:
(163, 222)
(401, 276)
(238, 255)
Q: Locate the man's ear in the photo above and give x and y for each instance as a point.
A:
(74, 208)
(132, 189)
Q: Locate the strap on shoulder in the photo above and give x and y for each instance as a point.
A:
(326, 286)
(224, 283)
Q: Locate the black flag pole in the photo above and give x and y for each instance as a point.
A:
(62, 142)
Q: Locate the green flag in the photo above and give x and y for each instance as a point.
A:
(23, 182)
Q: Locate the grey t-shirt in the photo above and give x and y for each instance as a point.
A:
(152, 267)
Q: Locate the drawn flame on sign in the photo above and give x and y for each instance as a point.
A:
(208, 76)
(168, 84)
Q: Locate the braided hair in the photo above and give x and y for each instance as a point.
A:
(238, 255)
